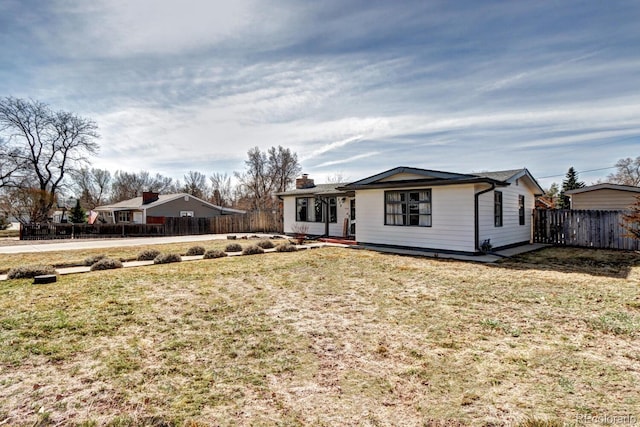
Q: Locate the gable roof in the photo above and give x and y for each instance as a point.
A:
(136, 204)
(512, 175)
(435, 178)
(605, 186)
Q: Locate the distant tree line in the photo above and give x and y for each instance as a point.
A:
(44, 157)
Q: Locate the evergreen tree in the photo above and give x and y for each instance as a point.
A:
(78, 214)
(570, 183)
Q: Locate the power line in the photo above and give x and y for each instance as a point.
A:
(578, 172)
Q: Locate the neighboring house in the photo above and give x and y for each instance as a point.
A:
(603, 197)
(545, 202)
(418, 208)
(152, 208)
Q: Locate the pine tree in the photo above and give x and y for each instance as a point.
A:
(570, 183)
(631, 220)
(78, 214)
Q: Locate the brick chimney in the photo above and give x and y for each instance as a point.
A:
(304, 182)
(149, 197)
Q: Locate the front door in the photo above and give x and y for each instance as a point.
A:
(352, 217)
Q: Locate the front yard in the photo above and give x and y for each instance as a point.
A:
(326, 337)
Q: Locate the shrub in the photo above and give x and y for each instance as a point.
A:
(266, 244)
(167, 258)
(286, 247)
(89, 261)
(233, 247)
(214, 253)
(30, 271)
(148, 255)
(106, 264)
(252, 250)
(196, 250)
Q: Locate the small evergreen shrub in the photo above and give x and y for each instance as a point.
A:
(106, 264)
(89, 261)
(266, 244)
(167, 258)
(148, 255)
(233, 247)
(30, 271)
(196, 250)
(214, 253)
(286, 247)
(252, 250)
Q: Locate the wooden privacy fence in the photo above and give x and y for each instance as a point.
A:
(252, 222)
(585, 228)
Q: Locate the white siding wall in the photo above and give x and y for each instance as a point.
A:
(315, 228)
(511, 231)
(452, 220)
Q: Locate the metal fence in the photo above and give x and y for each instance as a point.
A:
(584, 228)
(252, 222)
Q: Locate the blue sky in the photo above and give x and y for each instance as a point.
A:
(353, 87)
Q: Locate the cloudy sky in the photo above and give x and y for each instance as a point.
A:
(353, 87)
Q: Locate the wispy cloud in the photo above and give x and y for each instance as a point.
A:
(367, 85)
(347, 160)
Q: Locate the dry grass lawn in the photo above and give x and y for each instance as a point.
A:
(326, 337)
(125, 253)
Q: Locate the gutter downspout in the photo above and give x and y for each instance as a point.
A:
(477, 214)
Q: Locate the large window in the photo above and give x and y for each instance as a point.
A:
(521, 209)
(312, 209)
(411, 207)
(123, 216)
(497, 208)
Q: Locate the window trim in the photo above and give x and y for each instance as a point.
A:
(498, 215)
(406, 214)
(521, 210)
(326, 208)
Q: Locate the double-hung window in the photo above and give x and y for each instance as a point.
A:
(521, 209)
(408, 207)
(497, 208)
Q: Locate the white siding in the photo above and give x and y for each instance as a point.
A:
(452, 220)
(511, 231)
(315, 228)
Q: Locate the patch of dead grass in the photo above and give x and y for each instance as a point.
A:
(321, 337)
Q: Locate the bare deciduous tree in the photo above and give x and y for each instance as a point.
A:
(92, 186)
(221, 192)
(127, 185)
(266, 173)
(45, 146)
(283, 167)
(195, 183)
(628, 172)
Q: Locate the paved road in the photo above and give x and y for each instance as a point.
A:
(49, 246)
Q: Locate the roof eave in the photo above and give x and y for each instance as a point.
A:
(424, 183)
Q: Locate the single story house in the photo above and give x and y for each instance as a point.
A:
(603, 197)
(408, 207)
(152, 208)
